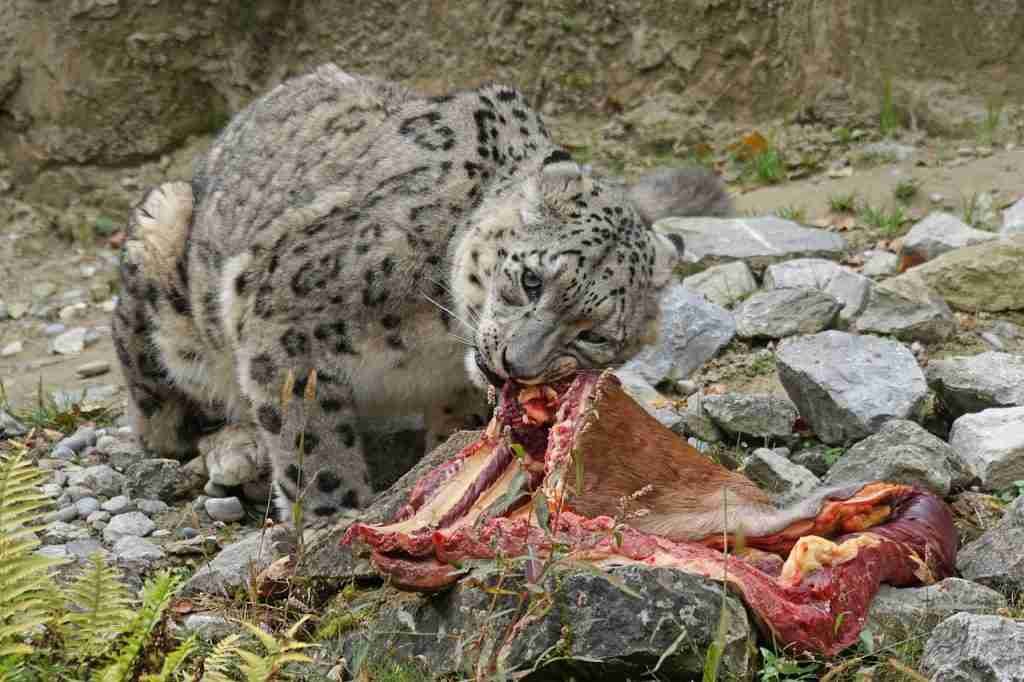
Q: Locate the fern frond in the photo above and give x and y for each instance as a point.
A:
(26, 587)
(221, 661)
(98, 610)
(156, 596)
(173, 661)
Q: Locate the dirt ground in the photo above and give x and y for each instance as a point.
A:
(30, 256)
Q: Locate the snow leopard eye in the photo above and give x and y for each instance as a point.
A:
(532, 284)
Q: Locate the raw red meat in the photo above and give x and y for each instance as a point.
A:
(621, 488)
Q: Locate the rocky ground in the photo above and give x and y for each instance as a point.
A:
(861, 321)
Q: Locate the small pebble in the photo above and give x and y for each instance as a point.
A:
(12, 348)
(98, 516)
(161, 533)
(77, 492)
(66, 514)
(51, 489)
(131, 524)
(225, 509)
(133, 548)
(62, 452)
(119, 504)
(72, 312)
(86, 506)
(106, 443)
(187, 532)
(71, 342)
(59, 478)
(93, 369)
(54, 329)
(151, 507)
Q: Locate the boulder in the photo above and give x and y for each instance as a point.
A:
(898, 614)
(996, 559)
(991, 443)
(757, 241)
(988, 276)
(778, 313)
(848, 287)
(847, 386)
(977, 382)
(907, 309)
(691, 332)
(723, 284)
(975, 647)
(1013, 218)
(237, 562)
(757, 416)
(938, 233)
(902, 452)
(593, 628)
(786, 480)
(159, 479)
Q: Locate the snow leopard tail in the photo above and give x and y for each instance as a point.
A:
(680, 192)
(154, 254)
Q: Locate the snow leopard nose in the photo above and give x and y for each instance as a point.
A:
(529, 348)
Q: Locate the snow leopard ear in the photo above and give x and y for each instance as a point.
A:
(561, 180)
(668, 253)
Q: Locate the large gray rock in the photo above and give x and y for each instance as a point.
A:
(10, 427)
(160, 479)
(968, 647)
(977, 382)
(777, 313)
(776, 474)
(692, 331)
(1013, 218)
(907, 309)
(901, 452)
(723, 284)
(996, 559)
(848, 287)
(757, 241)
(938, 233)
(237, 562)
(593, 630)
(758, 416)
(898, 614)
(847, 386)
(988, 276)
(991, 443)
(134, 524)
(100, 479)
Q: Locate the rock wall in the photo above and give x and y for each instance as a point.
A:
(90, 88)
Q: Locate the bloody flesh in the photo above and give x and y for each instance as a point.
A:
(808, 572)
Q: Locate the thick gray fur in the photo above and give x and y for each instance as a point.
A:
(344, 226)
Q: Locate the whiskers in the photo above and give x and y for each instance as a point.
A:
(468, 342)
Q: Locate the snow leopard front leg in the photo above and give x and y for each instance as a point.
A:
(310, 432)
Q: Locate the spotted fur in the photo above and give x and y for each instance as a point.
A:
(345, 226)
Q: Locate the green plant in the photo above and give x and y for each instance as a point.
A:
(779, 668)
(96, 611)
(1013, 492)
(843, 135)
(989, 125)
(767, 167)
(26, 589)
(888, 118)
(832, 455)
(906, 190)
(889, 222)
(843, 203)
(794, 212)
(230, 654)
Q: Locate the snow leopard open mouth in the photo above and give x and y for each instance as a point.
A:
(620, 488)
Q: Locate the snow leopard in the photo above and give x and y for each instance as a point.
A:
(348, 249)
